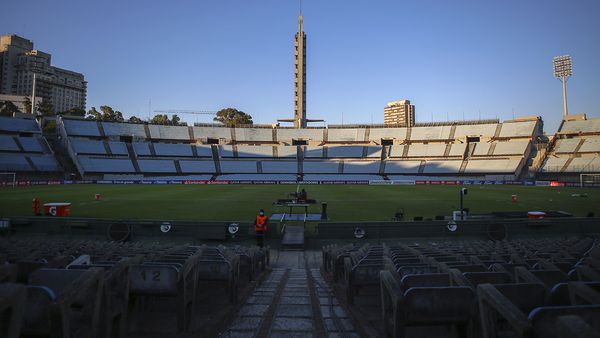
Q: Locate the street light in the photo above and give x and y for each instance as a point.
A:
(562, 71)
(35, 64)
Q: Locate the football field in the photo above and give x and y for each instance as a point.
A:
(346, 203)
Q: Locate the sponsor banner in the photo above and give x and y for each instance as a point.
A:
(194, 182)
(74, 182)
(103, 181)
(333, 182)
(22, 183)
(513, 182)
(573, 184)
(358, 182)
(587, 185)
(217, 182)
(380, 182)
(125, 182)
(438, 182)
(39, 182)
(529, 183)
(56, 182)
(542, 183)
(247, 182)
(175, 182)
(300, 182)
(152, 182)
(404, 182)
(344, 182)
(557, 184)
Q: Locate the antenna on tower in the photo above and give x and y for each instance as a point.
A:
(300, 7)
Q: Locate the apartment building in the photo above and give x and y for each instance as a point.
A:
(399, 113)
(63, 88)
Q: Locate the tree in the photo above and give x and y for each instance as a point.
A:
(26, 103)
(107, 115)
(232, 116)
(164, 119)
(45, 108)
(49, 126)
(160, 119)
(135, 119)
(73, 112)
(7, 108)
(94, 115)
(175, 120)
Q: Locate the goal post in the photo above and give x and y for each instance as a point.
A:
(589, 178)
(7, 177)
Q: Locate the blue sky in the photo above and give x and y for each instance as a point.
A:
(452, 59)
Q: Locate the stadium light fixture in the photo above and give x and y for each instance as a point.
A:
(562, 71)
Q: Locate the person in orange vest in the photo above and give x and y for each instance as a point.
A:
(260, 226)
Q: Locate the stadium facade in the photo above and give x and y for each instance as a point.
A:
(63, 88)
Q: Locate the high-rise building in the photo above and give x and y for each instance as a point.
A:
(399, 113)
(63, 88)
(300, 119)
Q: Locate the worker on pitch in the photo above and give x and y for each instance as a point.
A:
(300, 196)
(260, 226)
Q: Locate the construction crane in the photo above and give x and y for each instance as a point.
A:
(172, 111)
(183, 112)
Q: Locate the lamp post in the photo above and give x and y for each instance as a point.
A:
(562, 71)
(35, 64)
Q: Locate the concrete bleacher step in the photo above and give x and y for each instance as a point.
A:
(422, 166)
(291, 302)
(566, 165)
(134, 161)
(293, 238)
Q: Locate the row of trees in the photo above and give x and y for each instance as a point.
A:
(7, 108)
(228, 117)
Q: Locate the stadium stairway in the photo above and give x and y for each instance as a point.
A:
(294, 300)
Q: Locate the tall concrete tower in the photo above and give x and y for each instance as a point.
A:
(300, 120)
(300, 78)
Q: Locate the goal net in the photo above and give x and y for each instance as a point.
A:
(589, 180)
(7, 179)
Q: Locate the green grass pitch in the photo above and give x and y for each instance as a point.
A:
(242, 202)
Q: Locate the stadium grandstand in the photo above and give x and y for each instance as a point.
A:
(432, 278)
(474, 149)
(24, 149)
(481, 150)
(573, 150)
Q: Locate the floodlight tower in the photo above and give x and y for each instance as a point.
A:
(563, 71)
